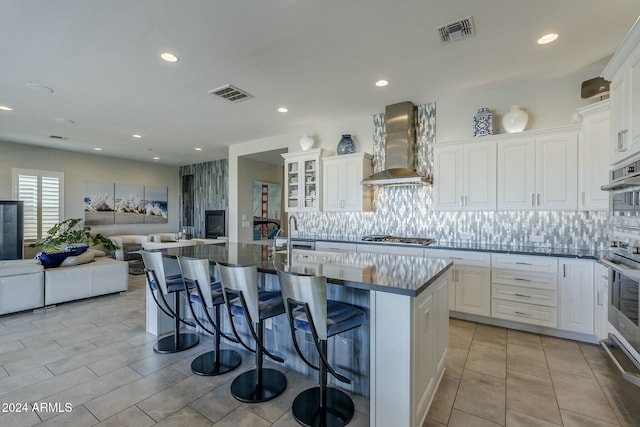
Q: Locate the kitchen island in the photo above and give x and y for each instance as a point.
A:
(407, 330)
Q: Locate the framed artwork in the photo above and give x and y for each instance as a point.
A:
(99, 203)
(129, 204)
(155, 204)
(267, 209)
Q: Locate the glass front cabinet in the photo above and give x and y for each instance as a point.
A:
(303, 181)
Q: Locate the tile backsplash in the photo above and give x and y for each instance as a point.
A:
(408, 211)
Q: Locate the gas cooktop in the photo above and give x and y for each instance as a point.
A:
(424, 241)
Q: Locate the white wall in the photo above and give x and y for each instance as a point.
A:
(78, 168)
(249, 171)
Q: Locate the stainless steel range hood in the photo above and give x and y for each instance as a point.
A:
(400, 143)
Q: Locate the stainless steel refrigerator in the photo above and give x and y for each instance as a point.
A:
(11, 229)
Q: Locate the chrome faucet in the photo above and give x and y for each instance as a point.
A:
(274, 247)
(295, 227)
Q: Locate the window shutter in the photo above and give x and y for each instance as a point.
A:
(28, 193)
(42, 194)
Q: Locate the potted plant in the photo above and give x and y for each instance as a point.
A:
(70, 233)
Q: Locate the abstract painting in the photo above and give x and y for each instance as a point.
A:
(155, 205)
(99, 203)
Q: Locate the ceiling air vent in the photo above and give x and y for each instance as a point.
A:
(231, 93)
(457, 30)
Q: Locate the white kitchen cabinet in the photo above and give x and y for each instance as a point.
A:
(391, 249)
(336, 246)
(576, 295)
(538, 171)
(465, 176)
(593, 147)
(601, 283)
(303, 181)
(623, 70)
(469, 280)
(342, 191)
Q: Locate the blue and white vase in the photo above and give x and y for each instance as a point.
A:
(346, 145)
(483, 123)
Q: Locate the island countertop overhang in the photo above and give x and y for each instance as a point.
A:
(398, 274)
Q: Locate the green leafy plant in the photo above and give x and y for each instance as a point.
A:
(71, 232)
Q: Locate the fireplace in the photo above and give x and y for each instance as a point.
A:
(214, 224)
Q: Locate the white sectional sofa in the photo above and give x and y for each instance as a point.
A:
(25, 284)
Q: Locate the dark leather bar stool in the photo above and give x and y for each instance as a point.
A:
(162, 285)
(242, 298)
(201, 290)
(309, 310)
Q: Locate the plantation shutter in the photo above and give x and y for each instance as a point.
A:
(41, 192)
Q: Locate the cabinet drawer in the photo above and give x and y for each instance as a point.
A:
(336, 246)
(525, 295)
(391, 249)
(524, 279)
(481, 259)
(526, 313)
(540, 264)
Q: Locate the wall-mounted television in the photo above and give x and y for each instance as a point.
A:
(11, 229)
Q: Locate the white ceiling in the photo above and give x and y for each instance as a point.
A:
(318, 58)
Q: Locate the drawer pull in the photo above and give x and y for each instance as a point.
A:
(523, 295)
(523, 263)
(454, 257)
(522, 313)
(522, 280)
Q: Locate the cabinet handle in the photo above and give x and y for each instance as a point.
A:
(522, 313)
(583, 197)
(538, 199)
(620, 140)
(522, 280)
(523, 263)
(564, 270)
(454, 257)
(461, 201)
(523, 295)
(599, 297)
(533, 199)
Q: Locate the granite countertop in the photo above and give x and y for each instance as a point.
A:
(405, 275)
(478, 247)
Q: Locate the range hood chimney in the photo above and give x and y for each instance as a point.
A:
(400, 143)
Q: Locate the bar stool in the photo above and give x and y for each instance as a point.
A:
(309, 310)
(259, 384)
(201, 290)
(159, 283)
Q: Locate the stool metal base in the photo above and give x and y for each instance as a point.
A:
(206, 365)
(167, 344)
(245, 389)
(339, 411)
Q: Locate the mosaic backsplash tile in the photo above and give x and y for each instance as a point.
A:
(408, 211)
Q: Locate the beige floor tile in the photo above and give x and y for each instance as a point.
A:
(566, 356)
(487, 359)
(74, 361)
(431, 423)
(78, 417)
(463, 419)
(528, 360)
(533, 396)
(460, 336)
(595, 355)
(121, 398)
(217, 403)
(130, 417)
(15, 382)
(242, 417)
(456, 359)
(442, 404)
(571, 419)
(185, 417)
(44, 356)
(482, 395)
(525, 339)
(19, 419)
(491, 336)
(622, 396)
(51, 386)
(516, 419)
(582, 395)
(109, 364)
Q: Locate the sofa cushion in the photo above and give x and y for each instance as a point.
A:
(78, 259)
(20, 266)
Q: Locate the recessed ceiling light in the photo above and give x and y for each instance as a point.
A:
(198, 149)
(39, 87)
(169, 57)
(283, 109)
(97, 148)
(547, 38)
(5, 108)
(136, 135)
(382, 83)
(156, 158)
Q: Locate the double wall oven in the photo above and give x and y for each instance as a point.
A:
(623, 262)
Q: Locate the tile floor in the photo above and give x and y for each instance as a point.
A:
(94, 356)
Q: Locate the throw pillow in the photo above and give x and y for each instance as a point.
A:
(77, 260)
(77, 250)
(51, 259)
